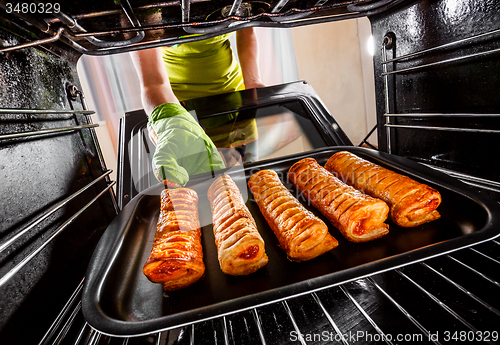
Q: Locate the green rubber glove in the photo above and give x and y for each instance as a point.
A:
(182, 147)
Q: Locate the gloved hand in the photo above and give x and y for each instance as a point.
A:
(182, 147)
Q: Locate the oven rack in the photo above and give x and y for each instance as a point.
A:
(73, 94)
(379, 307)
(388, 44)
(64, 27)
(42, 114)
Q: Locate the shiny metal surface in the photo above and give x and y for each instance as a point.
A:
(451, 129)
(235, 8)
(463, 282)
(444, 46)
(446, 80)
(443, 115)
(472, 180)
(38, 23)
(73, 92)
(45, 131)
(65, 319)
(54, 38)
(132, 20)
(277, 8)
(388, 45)
(368, 5)
(149, 29)
(416, 302)
(13, 271)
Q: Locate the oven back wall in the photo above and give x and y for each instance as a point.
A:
(43, 261)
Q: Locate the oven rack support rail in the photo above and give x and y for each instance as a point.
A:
(387, 44)
(365, 139)
(390, 114)
(312, 313)
(4, 246)
(65, 28)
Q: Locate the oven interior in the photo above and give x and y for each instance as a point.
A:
(436, 80)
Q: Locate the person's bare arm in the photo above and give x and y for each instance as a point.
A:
(248, 54)
(155, 85)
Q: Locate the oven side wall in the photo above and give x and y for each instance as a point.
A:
(43, 257)
(466, 144)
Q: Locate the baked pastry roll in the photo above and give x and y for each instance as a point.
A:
(411, 203)
(240, 248)
(176, 259)
(359, 217)
(301, 234)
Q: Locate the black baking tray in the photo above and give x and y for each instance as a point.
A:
(118, 300)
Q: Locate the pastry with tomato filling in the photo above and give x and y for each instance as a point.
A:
(359, 217)
(176, 259)
(301, 234)
(240, 247)
(411, 203)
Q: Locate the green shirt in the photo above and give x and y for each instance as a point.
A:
(203, 68)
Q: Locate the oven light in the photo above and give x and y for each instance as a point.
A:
(370, 45)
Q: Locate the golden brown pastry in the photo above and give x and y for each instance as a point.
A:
(240, 247)
(411, 203)
(301, 234)
(359, 217)
(176, 259)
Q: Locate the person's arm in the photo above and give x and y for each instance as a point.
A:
(248, 54)
(153, 77)
(182, 147)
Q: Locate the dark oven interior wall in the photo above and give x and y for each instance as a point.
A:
(36, 173)
(468, 86)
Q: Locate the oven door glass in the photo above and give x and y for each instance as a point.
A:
(255, 134)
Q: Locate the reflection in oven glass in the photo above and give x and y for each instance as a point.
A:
(257, 134)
